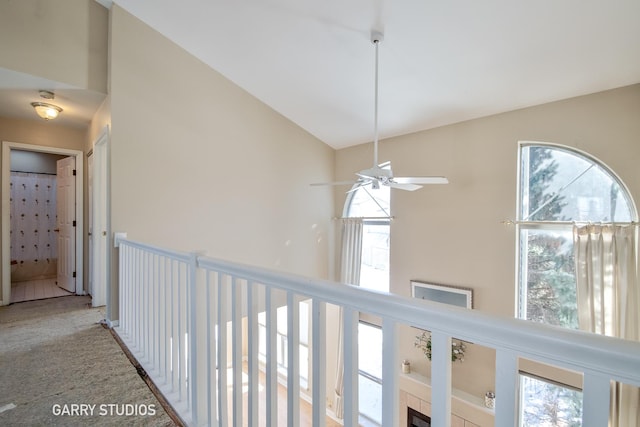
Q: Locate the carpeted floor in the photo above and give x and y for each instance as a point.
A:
(60, 366)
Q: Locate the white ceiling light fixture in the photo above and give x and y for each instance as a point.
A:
(377, 176)
(45, 110)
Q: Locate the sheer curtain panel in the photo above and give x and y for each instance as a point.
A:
(606, 258)
(350, 260)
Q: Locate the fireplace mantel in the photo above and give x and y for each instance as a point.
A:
(463, 404)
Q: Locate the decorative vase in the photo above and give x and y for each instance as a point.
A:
(406, 367)
(490, 400)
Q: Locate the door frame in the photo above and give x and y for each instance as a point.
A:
(7, 146)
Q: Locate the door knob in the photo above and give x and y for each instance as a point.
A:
(104, 233)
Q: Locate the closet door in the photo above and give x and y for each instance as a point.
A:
(66, 211)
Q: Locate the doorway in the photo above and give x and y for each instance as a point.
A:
(75, 241)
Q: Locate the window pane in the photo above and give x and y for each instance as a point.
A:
(304, 364)
(304, 322)
(370, 345)
(281, 319)
(560, 185)
(370, 377)
(370, 399)
(262, 341)
(548, 270)
(374, 270)
(544, 404)
(367, 202)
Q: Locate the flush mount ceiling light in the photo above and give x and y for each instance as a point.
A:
(45, 110)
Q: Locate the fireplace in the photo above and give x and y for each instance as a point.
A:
(417, 419)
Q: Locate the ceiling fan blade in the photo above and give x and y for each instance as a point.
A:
(408, 187)
(318, 184)
(420, 180)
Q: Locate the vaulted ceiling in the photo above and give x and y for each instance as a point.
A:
(441, 62)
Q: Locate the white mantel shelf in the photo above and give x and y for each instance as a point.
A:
(475, 402)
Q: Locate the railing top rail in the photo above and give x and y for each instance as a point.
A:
(176, 255)
(584, 352)
(577, 350)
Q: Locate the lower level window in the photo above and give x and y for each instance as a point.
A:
(370, 374)
(547, 404)
(282, 357)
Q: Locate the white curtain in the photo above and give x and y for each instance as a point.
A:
(606, 259)
(350, 259)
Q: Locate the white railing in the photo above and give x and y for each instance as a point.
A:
(172, 302)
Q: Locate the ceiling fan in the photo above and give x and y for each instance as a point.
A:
(377, 176)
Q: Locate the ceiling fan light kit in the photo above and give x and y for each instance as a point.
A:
(377, 176)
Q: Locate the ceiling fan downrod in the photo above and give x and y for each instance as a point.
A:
(376, 38)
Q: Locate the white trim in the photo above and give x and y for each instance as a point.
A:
(7, 146)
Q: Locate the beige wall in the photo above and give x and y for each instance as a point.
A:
(199, 164)
(63, 41)
(453, 234)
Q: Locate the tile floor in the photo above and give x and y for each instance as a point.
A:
(36, 289)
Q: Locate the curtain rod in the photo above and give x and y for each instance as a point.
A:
(512, 222)
(365, 218)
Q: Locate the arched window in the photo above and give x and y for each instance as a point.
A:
(373, 205)
(559, 187)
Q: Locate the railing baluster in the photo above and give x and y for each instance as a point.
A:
(252, 350)
(318, 360)
(147, 308)
(181, 335)
(236, 349)
(293, 362)
(212, 358)
(175, 334)
(193, 336)
(596, 390)
(134, 281)
(390, 365)
(350, 348)
(440, 379)
(156, 316)
(506, 388)
(139, 302)
(222, 349)
(271, 362)
(122, 274)
(161, 342)
(168, 313)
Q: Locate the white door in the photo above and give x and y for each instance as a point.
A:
(90, 227)
(66, 212)
(100, 240)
